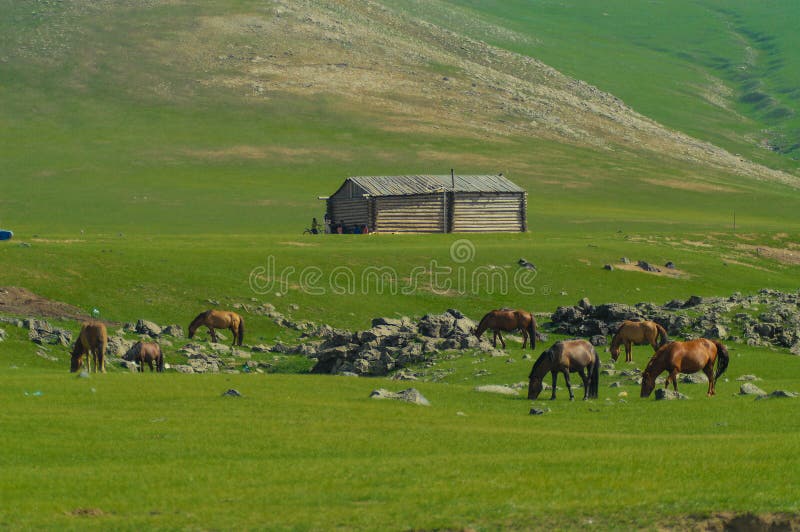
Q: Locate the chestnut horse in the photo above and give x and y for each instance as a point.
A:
(686, 357)
(637, 333)
(91, 343)
(568, 356)
(219, 319)
(148, 352)
(509, 320)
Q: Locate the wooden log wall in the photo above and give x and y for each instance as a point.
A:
(488, 213)
(349, 211)
(410, 214)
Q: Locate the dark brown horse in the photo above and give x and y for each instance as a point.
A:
(147, 353)
(509, 320)
(569, 356)
(686, 357)
(91, 344)
(637, 333)
(219, 319)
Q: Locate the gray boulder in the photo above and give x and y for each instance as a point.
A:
(748, 388)
(411, 395)
(779, 394)
(2, 335)
(148, 327)
(173, 330)
(694, 378)
(668, 395)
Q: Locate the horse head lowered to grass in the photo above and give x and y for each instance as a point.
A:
(569, 356)
(686, 357)
(219, 319)
(91, 346)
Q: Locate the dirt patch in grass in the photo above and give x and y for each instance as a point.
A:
(299, 244)
(727, 521)
(675, 273)
(782, 255)
(695, 186)
(21, 301)
(697, 244)
(87, 512)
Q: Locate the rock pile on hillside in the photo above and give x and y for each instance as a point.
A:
(391, 343)
(770, 317)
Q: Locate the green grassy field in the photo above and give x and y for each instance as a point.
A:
(149, 176)
(126, 451)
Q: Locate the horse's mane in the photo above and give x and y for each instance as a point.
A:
(547, 355)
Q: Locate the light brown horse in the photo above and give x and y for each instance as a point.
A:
(91, 343)
(219, 319)
(568, 356)
(147, 353)
(637, 333)
(686, 357)
(509, 320)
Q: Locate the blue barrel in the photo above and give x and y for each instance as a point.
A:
(6, 235)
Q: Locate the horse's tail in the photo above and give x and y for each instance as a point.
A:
(483, 325)
(160, 361)
(241, 330)
(532, 331)
(662, 332)
(722, 359)
(594, 379)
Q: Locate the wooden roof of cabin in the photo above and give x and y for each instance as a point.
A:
(404, 185)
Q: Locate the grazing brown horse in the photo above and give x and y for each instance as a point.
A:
(509, 320)
(148, 352)
(219, 319)
(568, 356)
(637, 333)
(686, 357)
(91, 343)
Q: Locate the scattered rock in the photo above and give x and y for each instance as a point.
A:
(232, 393)
(668, 395)
(148, 327)
(538, 411)
(411, 395)
(779, 394)
(646, 266)
(694, 378)
(748, 378)
(748, 388)
(608, 267)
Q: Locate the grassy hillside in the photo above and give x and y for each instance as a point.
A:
(192, 118)
(726, 72)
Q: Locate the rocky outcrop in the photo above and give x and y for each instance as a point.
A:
(777, 323)
(391, 344)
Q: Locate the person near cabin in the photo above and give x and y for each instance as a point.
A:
(314, 226)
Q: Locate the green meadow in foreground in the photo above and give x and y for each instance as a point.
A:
(127, 451)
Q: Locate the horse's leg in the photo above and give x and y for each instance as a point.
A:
(628, 351)
(712, 385)
(212, 333)
(235, 333)
(585, 379)
(674, 376)
(503, 342)
(565, 371)
(555, 377)
(524, 338)
(494, 338)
